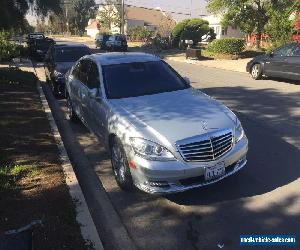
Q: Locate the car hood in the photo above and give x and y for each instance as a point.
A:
(63, 67)
(177, 115)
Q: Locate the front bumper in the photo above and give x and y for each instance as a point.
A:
(249, 66)
(178, 176)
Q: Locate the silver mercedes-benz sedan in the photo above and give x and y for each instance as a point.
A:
(163, 135)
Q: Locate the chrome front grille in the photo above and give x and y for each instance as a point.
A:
(207, 147)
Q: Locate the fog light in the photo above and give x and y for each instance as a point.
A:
(157, 183)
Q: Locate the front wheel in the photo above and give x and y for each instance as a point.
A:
(71, 113)
(256, 71)
(120, 166)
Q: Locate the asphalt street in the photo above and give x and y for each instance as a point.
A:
(263, 198)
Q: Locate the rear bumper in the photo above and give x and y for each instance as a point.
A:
(179, 176)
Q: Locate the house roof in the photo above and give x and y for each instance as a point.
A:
(92, 25)
(149, 16)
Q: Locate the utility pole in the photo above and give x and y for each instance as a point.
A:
(122, 16)
(191, 8)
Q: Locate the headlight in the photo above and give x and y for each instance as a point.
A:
(239, 131)
(58, 74)
(39, 51)
(151, 150)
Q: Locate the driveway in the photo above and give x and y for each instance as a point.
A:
(263, 198)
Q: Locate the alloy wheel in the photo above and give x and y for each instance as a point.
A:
(118, 163)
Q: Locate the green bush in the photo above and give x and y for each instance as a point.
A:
(190, 29)
(161, 43)
(177, 30)
(8, 50)
(229, 46)
(139, 33)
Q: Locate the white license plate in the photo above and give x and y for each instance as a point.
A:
(214, 172)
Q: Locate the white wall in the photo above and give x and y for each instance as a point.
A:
(92, 32)
(215, 23)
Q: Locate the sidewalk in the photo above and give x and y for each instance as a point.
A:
(233, 65)
(32, 182)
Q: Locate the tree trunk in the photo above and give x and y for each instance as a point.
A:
(258, 39)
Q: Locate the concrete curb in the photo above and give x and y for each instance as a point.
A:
(83, 216)
(189, 61)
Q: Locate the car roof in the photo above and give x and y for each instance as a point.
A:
(123, 57)
(70, 45)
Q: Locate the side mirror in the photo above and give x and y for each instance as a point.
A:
(94, 94)
(187, 80)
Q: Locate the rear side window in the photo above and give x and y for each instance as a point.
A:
(93, 76)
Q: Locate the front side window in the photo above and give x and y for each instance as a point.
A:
(296, 50)
(140, 78)
(284, 51)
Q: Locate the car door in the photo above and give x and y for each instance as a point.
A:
(78, 88)
(96, 107)
(293, 63)
(275, 64)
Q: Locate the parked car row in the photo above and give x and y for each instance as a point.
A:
(111, 42)
(139, 115)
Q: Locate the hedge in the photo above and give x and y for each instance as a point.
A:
(229, 46)
(8, 50)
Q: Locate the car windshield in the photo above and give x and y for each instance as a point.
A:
(43, 42)
(36, 36)
(70, 54)
(141, 78)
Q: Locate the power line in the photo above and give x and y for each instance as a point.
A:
(147, 8)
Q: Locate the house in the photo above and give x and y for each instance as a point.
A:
(152, 19)
(215, 23)
(93, 28)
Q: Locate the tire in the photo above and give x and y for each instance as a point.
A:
(71, 113)
(54, 89)
(120, 166)
(256, 71)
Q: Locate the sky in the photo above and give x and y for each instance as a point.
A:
(195, 7)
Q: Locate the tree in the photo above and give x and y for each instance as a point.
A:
(190, 29)
(166, 25)
(83, 11)
(249, 15)
(110, 14)
(13, 12)
(279, 28)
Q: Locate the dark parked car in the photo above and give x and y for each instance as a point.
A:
(100, 41)
(59, 59)
(40, 47)
(117, 43)
(283, 62)
(32, 36)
